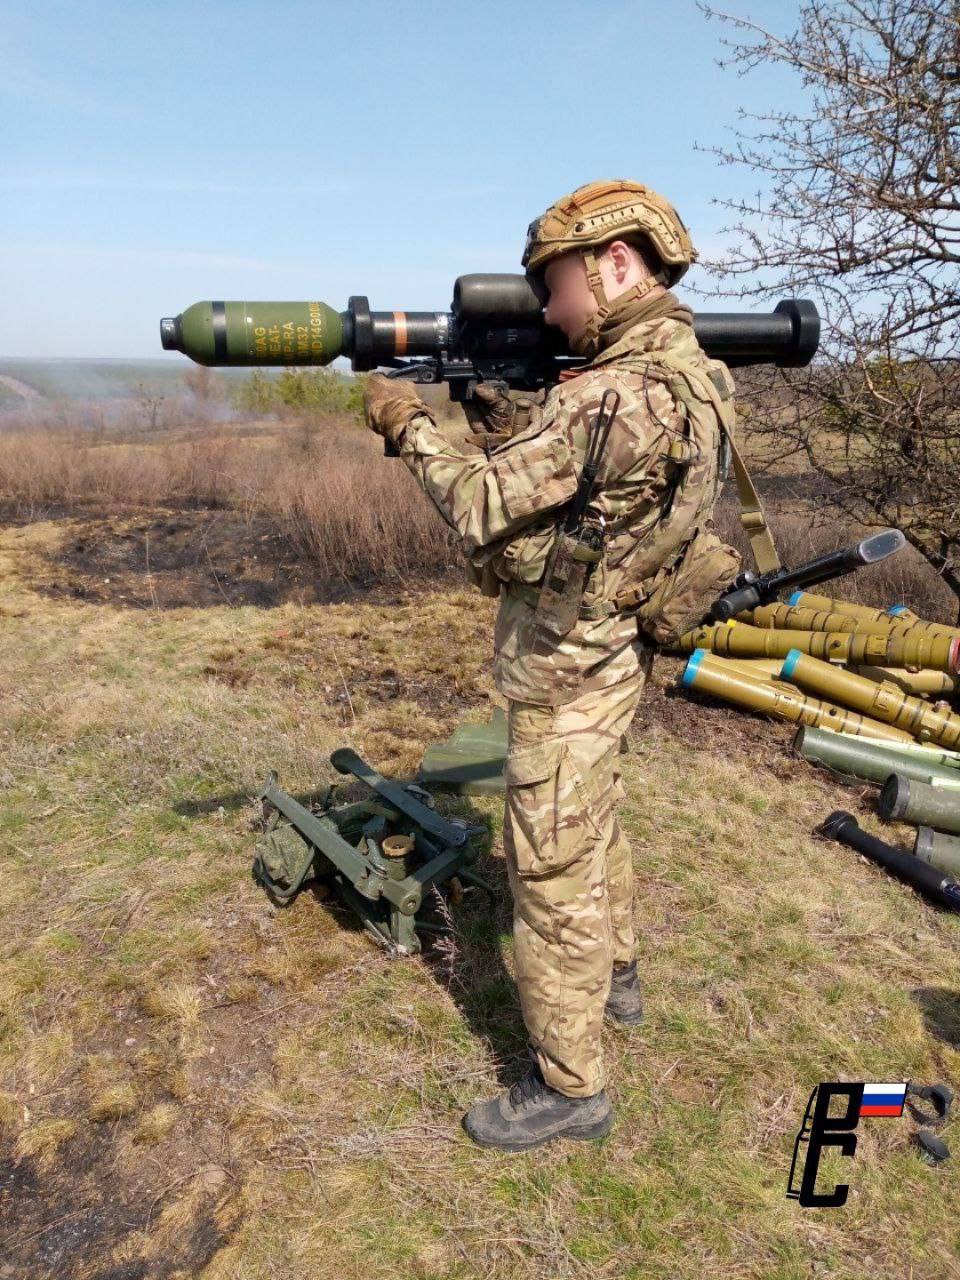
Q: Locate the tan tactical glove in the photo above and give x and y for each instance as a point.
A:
(495, 414)
(389, 404)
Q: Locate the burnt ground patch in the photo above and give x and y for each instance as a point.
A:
(76, 1219)
(114, 1202)
(181, 558)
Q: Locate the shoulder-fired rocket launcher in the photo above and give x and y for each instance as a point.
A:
(751, 590)
(494, 331)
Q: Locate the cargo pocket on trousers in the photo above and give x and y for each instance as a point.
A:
(548, 807)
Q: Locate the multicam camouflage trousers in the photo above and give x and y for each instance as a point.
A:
(570, 871)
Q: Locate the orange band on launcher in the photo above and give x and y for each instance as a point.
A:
(400, 333)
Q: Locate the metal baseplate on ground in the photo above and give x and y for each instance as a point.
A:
(380, 855)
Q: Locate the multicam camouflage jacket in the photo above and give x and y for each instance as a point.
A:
(505, 508)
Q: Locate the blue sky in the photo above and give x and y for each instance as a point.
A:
(158, 153)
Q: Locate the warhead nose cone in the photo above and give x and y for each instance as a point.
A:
(170, 338)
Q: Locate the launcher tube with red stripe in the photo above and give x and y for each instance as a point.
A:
(495, 330)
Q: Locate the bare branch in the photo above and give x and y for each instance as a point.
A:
(859, 206)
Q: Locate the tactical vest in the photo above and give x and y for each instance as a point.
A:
(668, 565)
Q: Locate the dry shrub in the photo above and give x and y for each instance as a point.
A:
(358, 514)
(324, 483)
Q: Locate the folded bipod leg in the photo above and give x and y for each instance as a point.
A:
(454, 835)
(390, 928)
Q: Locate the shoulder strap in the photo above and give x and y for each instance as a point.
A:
(751, 510)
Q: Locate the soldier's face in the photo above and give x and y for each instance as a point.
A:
(571, 302)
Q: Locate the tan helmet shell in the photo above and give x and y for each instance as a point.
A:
(602, 211)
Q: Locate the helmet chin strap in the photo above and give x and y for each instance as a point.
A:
(586, 341)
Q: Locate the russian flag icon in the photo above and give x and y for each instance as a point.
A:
(883, 1099)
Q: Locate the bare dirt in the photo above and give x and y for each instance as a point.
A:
(176, 558)
(169, 559)
(716, 726)
(68, 1222)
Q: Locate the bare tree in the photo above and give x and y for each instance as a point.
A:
(150, 402)
(860, 208)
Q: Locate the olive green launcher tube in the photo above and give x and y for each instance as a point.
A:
(929, 753)
(810, 600)
(738, 640)
(897, 612)
(904, 799)
(924, 684)
(765, 669)
(885, 701)
(721, 679)
(779, 617)
(903, 614)
(785, 617)
(872, 761)
(939, 850)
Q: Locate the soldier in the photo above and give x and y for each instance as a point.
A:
(606, 256)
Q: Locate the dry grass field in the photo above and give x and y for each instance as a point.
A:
(194, 1083)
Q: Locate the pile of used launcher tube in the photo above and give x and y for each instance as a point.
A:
(871, 691)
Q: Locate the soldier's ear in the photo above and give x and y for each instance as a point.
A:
(620, 257)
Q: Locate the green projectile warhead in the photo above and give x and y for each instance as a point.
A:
(252, 333)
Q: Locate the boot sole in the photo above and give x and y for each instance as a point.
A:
(630, 1021)
(598, 1129)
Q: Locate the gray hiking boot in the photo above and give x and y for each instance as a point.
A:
(624, 1005)
(530, 1112)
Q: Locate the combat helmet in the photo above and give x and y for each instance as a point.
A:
(591, 217)
(599, 212)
